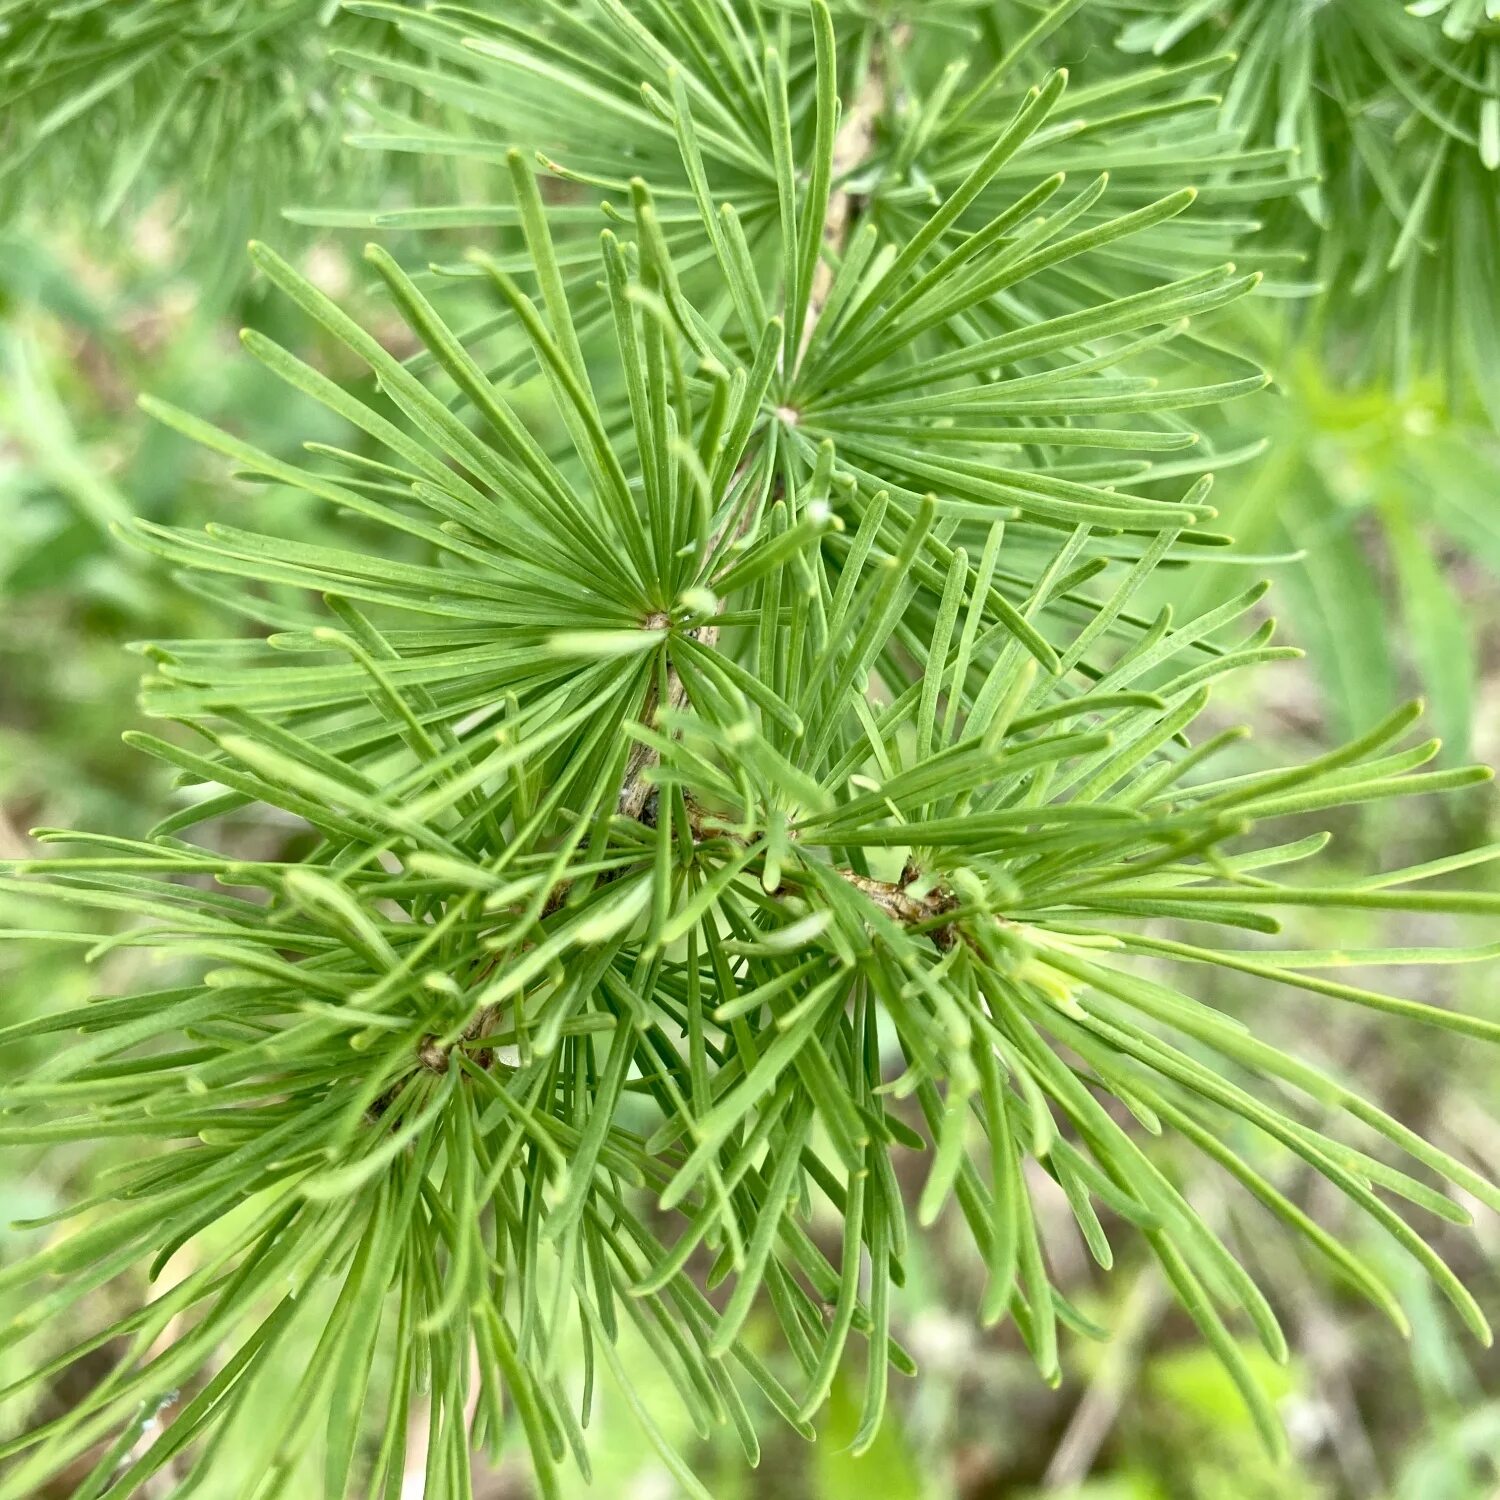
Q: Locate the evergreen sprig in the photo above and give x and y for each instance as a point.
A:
(739, 754)
(718, 108)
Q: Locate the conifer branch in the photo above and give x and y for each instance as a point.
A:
(701, 1022)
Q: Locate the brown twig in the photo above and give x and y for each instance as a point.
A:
(898, 903)
(432, 1056)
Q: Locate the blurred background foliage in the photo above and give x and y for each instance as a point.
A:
(1368, 473)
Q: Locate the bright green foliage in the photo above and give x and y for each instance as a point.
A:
(769, 770)
(703, 112)
(1397, 118)
(224, 106)
(1367, 486)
